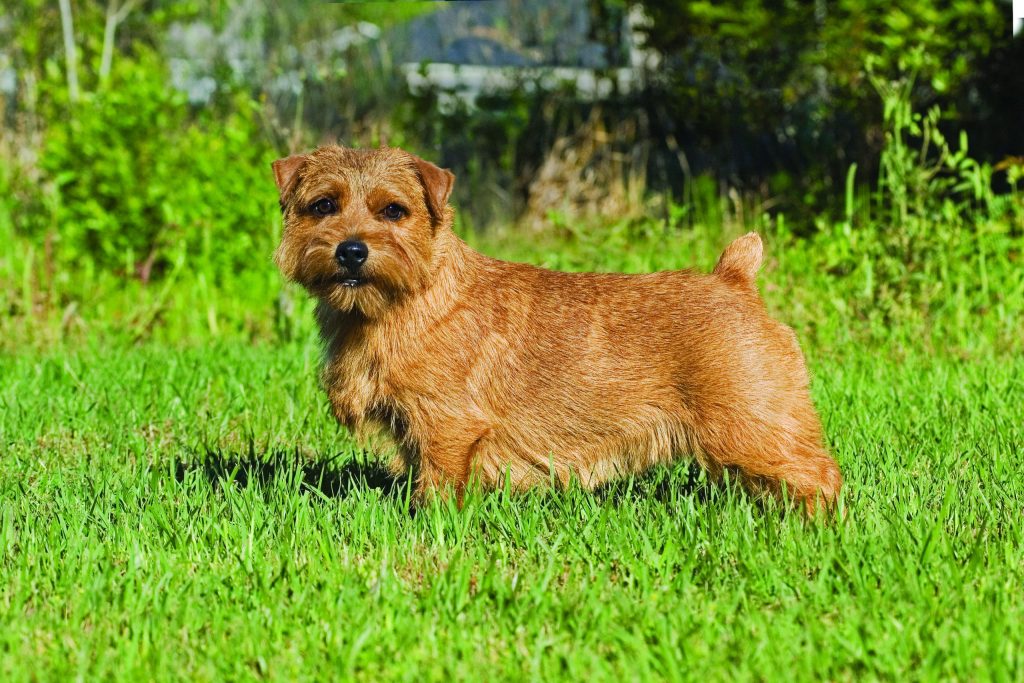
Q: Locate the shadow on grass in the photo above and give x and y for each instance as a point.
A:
(664, 484)
(322, 476)
(327, 478)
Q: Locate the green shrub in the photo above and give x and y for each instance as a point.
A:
(931, 241)
(763, 86)
(133, 182)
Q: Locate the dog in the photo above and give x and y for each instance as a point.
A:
(513, 375)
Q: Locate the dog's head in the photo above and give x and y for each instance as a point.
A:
(360, 226)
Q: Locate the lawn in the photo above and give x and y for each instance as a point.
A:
(187, 509)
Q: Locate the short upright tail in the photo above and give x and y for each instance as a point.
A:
(741, 259)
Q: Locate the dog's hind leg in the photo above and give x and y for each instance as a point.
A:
(768, 457)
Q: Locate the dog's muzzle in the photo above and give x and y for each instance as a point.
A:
(351, 255)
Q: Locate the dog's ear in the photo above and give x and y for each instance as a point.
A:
(286, 174)
(437, 186)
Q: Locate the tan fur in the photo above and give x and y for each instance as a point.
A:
(488, 369)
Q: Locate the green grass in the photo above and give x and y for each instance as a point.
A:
(181, 506)
(197, 514)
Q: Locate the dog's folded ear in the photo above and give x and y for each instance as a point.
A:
(286, 174)
(437, 186)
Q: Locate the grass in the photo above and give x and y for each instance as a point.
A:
(188, 510)
(195, 514)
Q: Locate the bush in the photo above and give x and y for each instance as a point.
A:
(132, 182)
(760, 86)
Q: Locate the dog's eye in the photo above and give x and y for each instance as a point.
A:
(324, 207)
(394, 212)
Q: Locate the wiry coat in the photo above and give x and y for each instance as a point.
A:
(480, 368)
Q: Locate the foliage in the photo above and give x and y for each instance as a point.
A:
(134, 182)
(934, 213)
(137, 204)
(766, 85)
(931, 247)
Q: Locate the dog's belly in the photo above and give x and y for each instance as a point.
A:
(583, 450)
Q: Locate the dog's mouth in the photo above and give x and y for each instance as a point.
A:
(329, 282)
(344, 279)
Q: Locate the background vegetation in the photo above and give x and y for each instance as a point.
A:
(137, 169)
(175, 501)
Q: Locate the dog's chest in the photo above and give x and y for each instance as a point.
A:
(402, 372)
(366, 381)
(351, 376)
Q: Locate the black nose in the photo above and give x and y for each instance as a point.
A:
(351, 254)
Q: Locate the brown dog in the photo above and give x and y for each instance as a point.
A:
(500, 371)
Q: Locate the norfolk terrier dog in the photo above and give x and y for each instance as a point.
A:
(509, 374)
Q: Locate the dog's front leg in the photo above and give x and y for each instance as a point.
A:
(445, 462)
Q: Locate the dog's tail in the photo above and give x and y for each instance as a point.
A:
(741, 260)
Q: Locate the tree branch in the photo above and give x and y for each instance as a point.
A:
(115, 15)
(70, 55)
